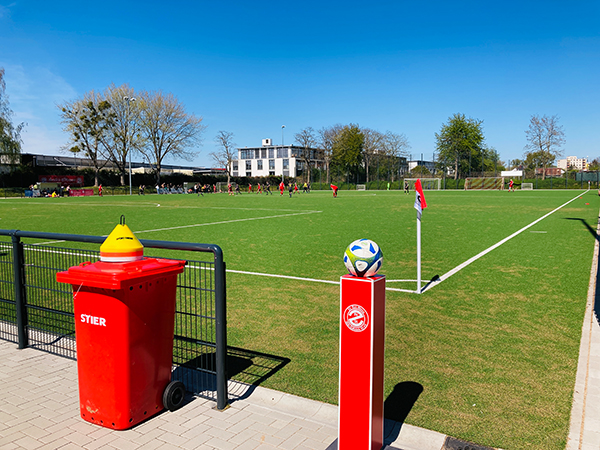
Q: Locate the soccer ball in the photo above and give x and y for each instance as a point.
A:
(363, 258)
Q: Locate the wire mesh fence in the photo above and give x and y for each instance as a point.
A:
(47, 307)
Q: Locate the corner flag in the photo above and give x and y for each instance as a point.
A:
(420, 203)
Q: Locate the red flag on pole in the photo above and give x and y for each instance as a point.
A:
(420, 203)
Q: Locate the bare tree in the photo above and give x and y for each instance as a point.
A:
(545, 135)
(396, 146)
(327, 139)
(373, 146)
(86, 120)
(124, 134)
(227, 153)
(306, 138)
(166, 129)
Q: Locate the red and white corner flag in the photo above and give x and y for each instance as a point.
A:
(420, 203)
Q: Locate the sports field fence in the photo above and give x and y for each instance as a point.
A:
(37, 311)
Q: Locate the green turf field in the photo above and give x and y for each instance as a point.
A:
(493, 347)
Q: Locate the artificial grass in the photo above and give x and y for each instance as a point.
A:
(494, 347)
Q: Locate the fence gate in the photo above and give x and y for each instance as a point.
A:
(37, 311)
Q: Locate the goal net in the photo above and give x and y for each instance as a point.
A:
(361, 187)
(484, 183)
(527, 186)
(428, 184)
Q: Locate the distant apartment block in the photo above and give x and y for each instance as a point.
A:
(574, 162)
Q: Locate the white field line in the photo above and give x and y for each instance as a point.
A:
(206, 224)
(228, 221)
(495, 246)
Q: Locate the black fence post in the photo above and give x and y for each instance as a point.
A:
(20, 296)
(221, 331)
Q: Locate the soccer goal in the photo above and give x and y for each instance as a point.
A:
(527, 186)
(484, 183)
(361, 187)
(431, 184)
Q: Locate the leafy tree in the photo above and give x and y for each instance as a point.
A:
(460, 142)
(166, 129)
(10, 136)
(544, 136)
(227, 153)
(86, 120)
(306, 138)
(348, 148)
(542, 159)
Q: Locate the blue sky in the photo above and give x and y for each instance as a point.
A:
(251, 67)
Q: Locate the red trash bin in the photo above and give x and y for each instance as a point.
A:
(124, 326)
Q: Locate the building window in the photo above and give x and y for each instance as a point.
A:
(246, 154)
(286, 164)
(259, 164)
(272, 164)
(271, 153)
(248, 174)
(257, 153)
(235, 165)
(282, 152)
(263, 153)
(271, 172)
(248, 165)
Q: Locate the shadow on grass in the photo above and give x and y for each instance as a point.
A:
(591, 229)
(596, 306)
(397, 406)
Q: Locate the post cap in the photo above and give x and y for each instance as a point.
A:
(121, 245)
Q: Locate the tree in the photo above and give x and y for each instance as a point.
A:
(166, 129)
(547, 136)
(533, 160)
(373, 144)
(348, 148)
(10, 136)
(226, 153)
(123, 135)
(461, 142)
(306, 139)
(327, 138)
(87, 120)
(395, 146)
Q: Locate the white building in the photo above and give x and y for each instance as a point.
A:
(269, 159)
(574, 162)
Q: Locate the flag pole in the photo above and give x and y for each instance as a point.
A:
(418, 254)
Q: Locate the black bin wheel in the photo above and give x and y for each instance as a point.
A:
(173, 395)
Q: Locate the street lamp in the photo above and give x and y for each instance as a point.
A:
(128, 100)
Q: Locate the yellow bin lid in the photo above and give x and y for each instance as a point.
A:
(121, 245)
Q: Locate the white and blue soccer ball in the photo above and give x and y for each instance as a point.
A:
(363, 258)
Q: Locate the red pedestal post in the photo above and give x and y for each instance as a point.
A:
(362, 336)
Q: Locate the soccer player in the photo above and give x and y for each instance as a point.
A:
(100, 190)
(259, 190)
(249, 188)
(295, 188)
(229, 189)
(268, 188)
(291, 189)
(281, 188)
(406, 188)
(335, 189)
(511, 185)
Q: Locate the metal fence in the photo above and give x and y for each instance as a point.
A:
(37, 311)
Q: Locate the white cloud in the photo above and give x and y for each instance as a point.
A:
(33, 94)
